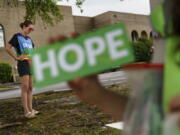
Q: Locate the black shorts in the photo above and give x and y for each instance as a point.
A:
(23, 68)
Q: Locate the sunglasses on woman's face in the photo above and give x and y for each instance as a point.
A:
(31, 29)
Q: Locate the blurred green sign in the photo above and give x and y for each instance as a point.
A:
(158, 20)
(172, 70)
(88, 54)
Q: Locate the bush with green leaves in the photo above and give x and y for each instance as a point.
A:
(143, 50)
(5, 73)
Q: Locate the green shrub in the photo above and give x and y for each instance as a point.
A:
(5, 73)
(142, 50)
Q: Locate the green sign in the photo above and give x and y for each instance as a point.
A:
(161, 19)
(158, 20)
(88, 54)
(172, 70)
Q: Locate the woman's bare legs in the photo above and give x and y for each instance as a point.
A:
(24, 92)
(29, 94)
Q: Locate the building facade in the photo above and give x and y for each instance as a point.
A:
(10, 18)
(136, 25)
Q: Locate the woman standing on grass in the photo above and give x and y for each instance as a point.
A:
(23, 45)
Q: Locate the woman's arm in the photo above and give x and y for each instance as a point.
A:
(10, 52)
(90, 90)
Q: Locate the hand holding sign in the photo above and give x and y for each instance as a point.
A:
(87, 88)
(90, 90)
(174, 106)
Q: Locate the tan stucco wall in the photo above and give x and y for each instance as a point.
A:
(132, 22)
(83, 24)
(135, 22)
(10, 19)
(102, 20)
(41, 34)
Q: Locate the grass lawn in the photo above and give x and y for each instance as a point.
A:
(5, 89)
(61, 114)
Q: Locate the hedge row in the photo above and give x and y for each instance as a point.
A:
(5, 73)
(143, 50)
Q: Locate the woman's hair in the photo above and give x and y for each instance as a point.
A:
(26, 23)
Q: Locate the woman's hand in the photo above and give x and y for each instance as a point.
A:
(174, 106)
(87, 88)
(22, 57)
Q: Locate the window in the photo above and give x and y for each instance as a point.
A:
(134, 35)
(155, 35)
(151, 34)
(2, 42)
(144, 35)
(115, 16)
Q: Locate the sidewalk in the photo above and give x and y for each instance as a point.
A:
(9, 86)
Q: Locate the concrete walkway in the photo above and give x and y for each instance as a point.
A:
(105, 79)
